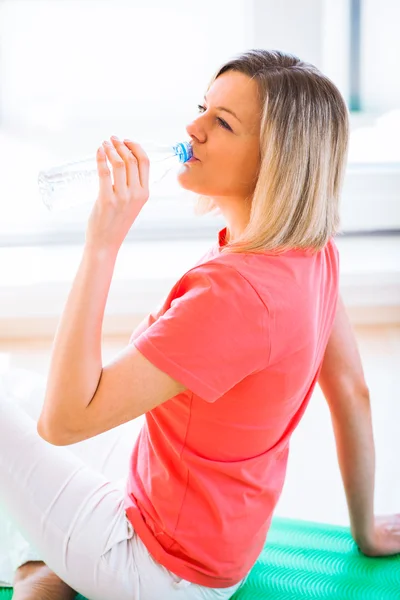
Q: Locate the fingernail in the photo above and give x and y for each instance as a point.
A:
(114, 137)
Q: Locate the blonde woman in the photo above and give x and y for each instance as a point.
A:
(223, 371)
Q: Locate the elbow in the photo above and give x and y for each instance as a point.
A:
(349, 393)
(45, 434)
(344, 389)
(51, 436)
(357, 389)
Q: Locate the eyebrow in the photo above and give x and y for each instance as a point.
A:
(226, 110)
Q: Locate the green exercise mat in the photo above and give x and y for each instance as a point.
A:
(305, 560)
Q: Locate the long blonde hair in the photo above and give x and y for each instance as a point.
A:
(303, 154)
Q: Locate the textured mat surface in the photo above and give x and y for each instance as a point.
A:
(304, 560)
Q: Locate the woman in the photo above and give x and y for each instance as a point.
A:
(223, 371)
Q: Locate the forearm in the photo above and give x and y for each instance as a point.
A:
(352, 425)
(76, 359)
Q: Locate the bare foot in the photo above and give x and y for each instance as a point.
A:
(35, 581)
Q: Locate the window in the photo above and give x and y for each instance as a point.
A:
(360, 46)
(348, 38)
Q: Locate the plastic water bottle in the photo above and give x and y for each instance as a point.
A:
(77, 182)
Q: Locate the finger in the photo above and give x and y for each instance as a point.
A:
(105, 182)
(143, 162)
(131, 163)
(119, 169)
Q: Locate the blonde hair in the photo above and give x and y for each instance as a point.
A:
(303, 154)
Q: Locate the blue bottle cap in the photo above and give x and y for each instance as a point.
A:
(184, 151)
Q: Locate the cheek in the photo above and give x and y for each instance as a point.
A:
(230, 172)
(250, 165)
(241, 170)
(230, 165)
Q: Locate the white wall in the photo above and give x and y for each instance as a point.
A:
(290, 26)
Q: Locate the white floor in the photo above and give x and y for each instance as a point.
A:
(313, 489)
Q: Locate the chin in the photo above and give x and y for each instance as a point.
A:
(188, 184)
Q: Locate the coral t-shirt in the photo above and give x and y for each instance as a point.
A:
(246, 334)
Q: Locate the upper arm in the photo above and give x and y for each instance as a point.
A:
(213, 334)
(342, 373)
(129, 386)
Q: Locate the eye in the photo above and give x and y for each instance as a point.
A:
(221, 121)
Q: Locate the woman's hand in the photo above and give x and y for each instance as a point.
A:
(117, 206)
(385, 539)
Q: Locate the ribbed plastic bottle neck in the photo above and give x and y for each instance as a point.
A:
(184, 151)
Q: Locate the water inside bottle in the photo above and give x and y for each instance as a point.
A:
(80, 186)
(77, 183)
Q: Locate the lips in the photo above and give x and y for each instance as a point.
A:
(194, 155)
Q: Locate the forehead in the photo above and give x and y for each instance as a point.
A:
(238, 92)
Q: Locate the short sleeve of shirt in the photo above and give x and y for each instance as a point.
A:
(213, 333)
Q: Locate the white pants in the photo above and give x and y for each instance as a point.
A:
(65, 506)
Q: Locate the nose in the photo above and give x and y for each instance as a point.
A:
(196, 132)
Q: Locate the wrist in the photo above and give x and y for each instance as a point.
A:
(364, 539)
(101, 253)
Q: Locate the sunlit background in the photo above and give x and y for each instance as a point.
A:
(74, 72)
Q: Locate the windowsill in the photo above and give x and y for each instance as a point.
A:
(36, 281)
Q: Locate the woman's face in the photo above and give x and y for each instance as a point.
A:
(226, 146)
